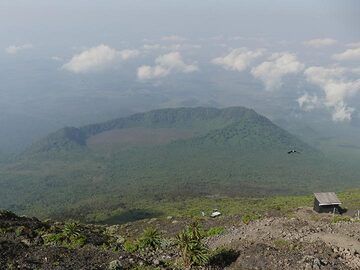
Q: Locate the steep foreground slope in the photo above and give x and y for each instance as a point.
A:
(295, 239)
(205, 152)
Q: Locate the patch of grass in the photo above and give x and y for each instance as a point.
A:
(246, 219)
(281, 243)
(70, 236)
(337, 219)
(214, 231)
(131, 246)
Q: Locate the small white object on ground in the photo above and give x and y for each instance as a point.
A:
(215, 214)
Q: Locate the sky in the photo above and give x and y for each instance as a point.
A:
(65, 63)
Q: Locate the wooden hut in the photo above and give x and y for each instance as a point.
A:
(327, 202)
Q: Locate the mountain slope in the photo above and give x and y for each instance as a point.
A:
(200, 120)
(231, 152)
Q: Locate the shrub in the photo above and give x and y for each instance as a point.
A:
(71, 229)
(192, 250)
(53, 238)
(69, 237)
(75, 241)
(150, 238)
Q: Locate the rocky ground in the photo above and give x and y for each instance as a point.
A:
(303, 240)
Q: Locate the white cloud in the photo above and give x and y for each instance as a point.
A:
(15, 49)
(97, 58)
(149, 72)
(320, 42)
(350, 54)
(308, 102)
(238, 59)
(337, 88)
(353, 44)
(173, 38)
(279, 65)
(165, 64)
(128, 54)
(342, 113)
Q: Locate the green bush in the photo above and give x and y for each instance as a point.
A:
(53, 238)
(70, 236)
(215, 231)
(71, 229)
(192, 250)
(75, 241)
(151, 238)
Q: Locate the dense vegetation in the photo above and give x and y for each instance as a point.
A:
(234, 152)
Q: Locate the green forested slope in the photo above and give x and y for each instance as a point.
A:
(234, 152)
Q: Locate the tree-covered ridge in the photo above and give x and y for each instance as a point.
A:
(234, 152)
(221, 124)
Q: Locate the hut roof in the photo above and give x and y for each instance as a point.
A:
(327, 198)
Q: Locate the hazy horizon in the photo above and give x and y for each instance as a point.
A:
(70, 63)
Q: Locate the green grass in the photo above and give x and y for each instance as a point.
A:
(251, 208)
(214, 231)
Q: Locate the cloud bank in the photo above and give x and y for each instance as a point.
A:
(97, 58)
(164, 65)
(350, 54)
(320, 42)
(337, 88)
(238, 59)
(309, 102)
(15, 49)
(278, 65)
